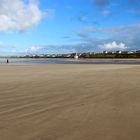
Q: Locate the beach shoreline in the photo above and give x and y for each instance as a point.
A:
(32, 61)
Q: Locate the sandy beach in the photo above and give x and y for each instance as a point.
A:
(69, 102)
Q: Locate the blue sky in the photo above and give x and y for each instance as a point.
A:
(60, 26)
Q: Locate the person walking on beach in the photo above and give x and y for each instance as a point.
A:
(7, 61)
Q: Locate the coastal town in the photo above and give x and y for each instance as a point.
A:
(104, 54)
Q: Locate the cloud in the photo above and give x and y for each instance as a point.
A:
(16, 15)
(113, 46)
(106, 13)
(34, 49)
(124, 30)
(58, 49)
(135, 12)
(128, 34)
(49, 49)
(135, 5)
(101, 3)
(82, 18)
(5, 46)
(133, 1)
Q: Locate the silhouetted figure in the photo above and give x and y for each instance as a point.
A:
(7, 61)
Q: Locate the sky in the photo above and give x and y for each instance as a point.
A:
(68, 26)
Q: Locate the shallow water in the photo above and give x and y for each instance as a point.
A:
(69, 61)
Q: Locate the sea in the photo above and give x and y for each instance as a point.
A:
(68, 61)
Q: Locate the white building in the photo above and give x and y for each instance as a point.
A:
(76, 56)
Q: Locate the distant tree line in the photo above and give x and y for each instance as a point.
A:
(101, 55)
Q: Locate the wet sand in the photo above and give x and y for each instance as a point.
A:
(69, 102)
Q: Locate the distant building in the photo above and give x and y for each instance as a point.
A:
(124, 52)
(76, 56)
(131, 52)
(105, 52)
(118, 52)
(138, 51)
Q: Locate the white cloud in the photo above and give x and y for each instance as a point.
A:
(34, 49)
(106, 13)
(128, 34)
(113, 46)
(57, 49)
(16, 15)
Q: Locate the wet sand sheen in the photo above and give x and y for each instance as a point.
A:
(69, 102)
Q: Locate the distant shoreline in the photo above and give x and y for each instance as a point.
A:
(90, 55)
(70, 61)
(69, 58)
